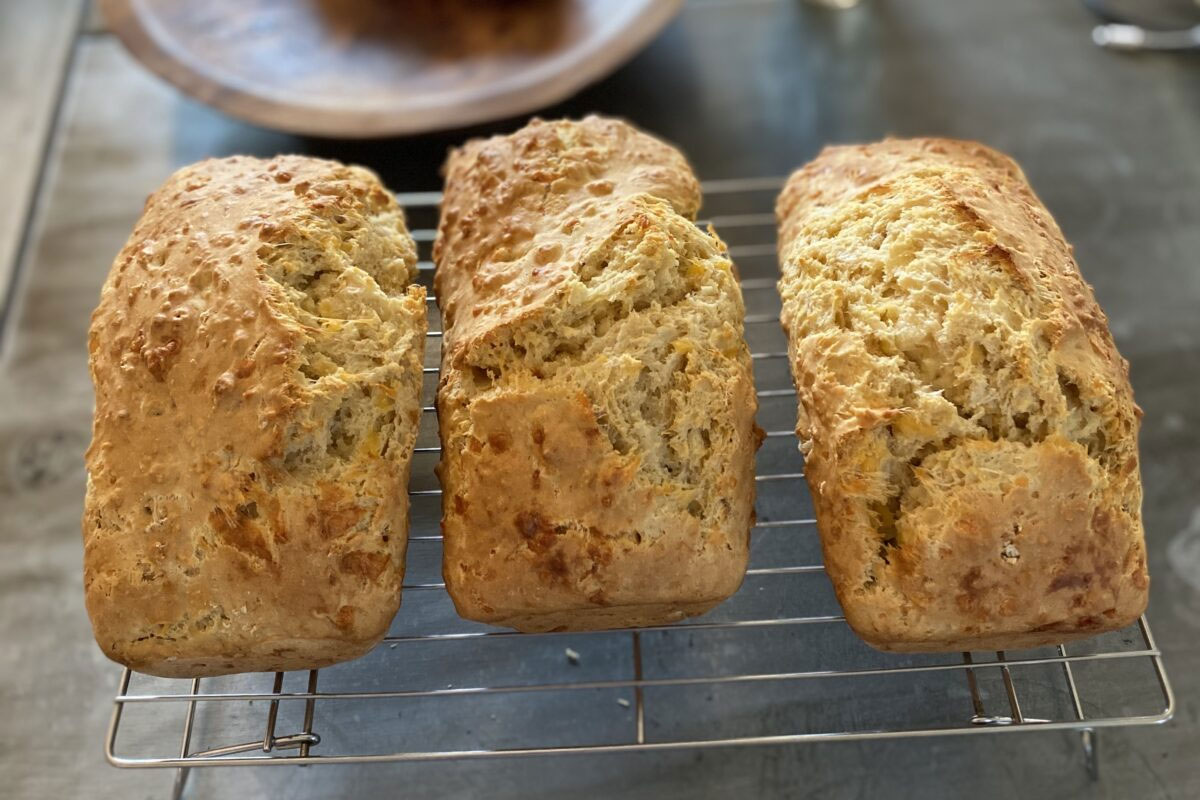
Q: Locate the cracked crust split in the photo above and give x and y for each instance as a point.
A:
(597, 401)
(257, 361)
(968, 425)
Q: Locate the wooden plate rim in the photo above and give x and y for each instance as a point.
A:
(546, 83)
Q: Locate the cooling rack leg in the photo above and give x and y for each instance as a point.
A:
(1076, 701)
(1088, 735)
(272, 714)
(1091, 758)
(181, 776)
(980, 714)
(309, 709)
(1010, 689)
(189, 721)
(637, 692)
(110, 743)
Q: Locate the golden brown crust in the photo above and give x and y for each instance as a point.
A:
(969, 428)
(513, 215)
(257, 362)
(596, 404)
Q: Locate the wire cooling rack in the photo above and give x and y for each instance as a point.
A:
(776, 664)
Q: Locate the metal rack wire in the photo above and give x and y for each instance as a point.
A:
(774, 665)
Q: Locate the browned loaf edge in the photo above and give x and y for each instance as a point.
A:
(596, 403)
(257, 361)
(969, 430)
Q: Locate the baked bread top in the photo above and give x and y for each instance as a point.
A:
(596, 403)
(256, 355)
(969, 428)
(539, 189)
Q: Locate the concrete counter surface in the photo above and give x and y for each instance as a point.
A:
(1111, 142)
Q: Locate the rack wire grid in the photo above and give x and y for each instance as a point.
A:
(776, 664)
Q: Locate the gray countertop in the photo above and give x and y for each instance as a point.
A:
(1111, 143)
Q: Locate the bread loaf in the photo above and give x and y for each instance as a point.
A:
(596, 402)
(969, 431)
(257, 357)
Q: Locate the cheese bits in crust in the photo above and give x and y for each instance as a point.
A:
(596, 402)
(257, 361)
(969, 431)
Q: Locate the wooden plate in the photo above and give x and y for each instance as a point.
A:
(360, 68)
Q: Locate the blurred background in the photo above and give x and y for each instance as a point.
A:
(100, 109)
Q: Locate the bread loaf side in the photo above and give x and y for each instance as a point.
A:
(969, 430)
(596, 402)
(256, 356)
